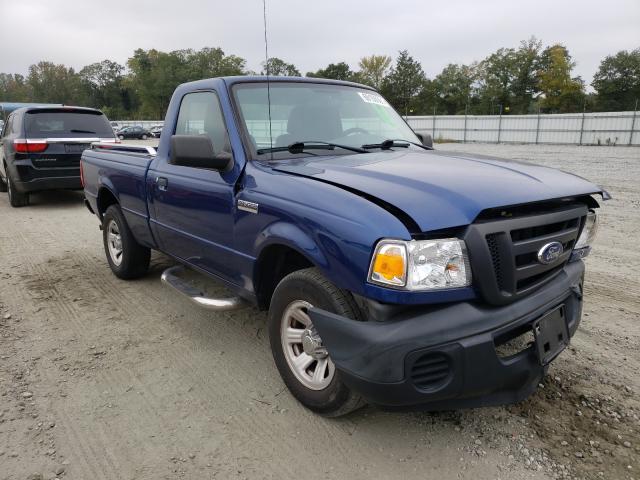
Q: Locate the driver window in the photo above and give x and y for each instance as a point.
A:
(201, 114)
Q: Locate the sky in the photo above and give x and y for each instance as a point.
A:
(312, 34)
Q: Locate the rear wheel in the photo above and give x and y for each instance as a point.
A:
(3, 183)
(301, 358)
(16, 198)
(127, 258)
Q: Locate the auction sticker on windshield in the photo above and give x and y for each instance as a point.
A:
(373, 98)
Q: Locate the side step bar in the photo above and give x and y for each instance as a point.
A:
(171, 278)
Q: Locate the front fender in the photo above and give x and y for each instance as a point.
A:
(292, 236)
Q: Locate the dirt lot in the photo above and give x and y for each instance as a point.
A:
(105, 379)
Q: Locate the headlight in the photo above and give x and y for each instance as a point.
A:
(588, 232)
(420, 264)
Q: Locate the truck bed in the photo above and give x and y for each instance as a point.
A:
(122, 171)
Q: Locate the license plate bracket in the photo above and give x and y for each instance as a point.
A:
(76, 147)
(551, 334)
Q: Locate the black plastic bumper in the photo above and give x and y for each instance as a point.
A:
(49, 183)
(27, 178)
(456, 341)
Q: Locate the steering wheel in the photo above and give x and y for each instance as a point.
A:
(353, 131)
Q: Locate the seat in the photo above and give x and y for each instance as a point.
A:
(311, 122)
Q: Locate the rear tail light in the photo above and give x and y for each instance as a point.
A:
(30, 146)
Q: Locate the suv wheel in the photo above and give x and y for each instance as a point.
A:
(16, 198)
(127, 258)
(301, 358)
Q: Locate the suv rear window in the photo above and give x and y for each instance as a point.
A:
(66, 123)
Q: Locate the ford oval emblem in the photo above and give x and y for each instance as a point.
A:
(550, 253)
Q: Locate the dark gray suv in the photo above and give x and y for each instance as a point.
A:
(40, 148)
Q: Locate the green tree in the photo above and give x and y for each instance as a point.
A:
(617, 81)
(279, 68)
(373, 69)
(212, 62)
(50, 83)
(104, 86)
(496, 76)
(142, 82)
(452, 89)
(404, 82)
(524, 86)
(508, 79)
(562, 93)
(13, 88)
(335, 71)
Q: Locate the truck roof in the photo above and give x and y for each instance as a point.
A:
(231, 80)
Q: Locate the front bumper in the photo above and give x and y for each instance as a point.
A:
(458, 341)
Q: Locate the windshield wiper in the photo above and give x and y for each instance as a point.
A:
(74, 130)
(299, 147)
(388, 144)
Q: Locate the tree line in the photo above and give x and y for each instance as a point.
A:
(527, 79)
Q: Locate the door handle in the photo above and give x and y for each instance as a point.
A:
(162, 183)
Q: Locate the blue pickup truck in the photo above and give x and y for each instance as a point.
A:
(392, 273)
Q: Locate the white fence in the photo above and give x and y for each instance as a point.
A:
(142, 123)
(610, 128)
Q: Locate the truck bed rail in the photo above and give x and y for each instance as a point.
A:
(119, 147)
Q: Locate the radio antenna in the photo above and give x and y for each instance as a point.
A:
(266, 67)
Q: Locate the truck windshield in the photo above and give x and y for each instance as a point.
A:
(312, 112)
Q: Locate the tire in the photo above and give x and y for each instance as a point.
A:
(3, 184)
(16, 199)
(121, 137)
(326, 395)
(133, 259)
(144, 136)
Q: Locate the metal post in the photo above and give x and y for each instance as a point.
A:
(584, 107)
(633, 123)
(538, 126)
(500, 123)
(464, 137)
(433, 125)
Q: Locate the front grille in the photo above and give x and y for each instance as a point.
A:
(430, 371)
(494, 249)
(504, 253)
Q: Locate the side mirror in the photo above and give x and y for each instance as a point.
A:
(425, 139)
(197, 151)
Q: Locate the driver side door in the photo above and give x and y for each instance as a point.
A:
(194, 207)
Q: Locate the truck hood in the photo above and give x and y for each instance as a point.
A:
(441, 189)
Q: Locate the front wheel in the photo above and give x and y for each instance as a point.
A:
(121, 137)
(144, 136)
(127, 258)
(300, 356)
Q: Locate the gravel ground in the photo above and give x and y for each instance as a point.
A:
(105, 379)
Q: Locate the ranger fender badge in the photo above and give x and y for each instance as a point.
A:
(250, 207)
(550, 253)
